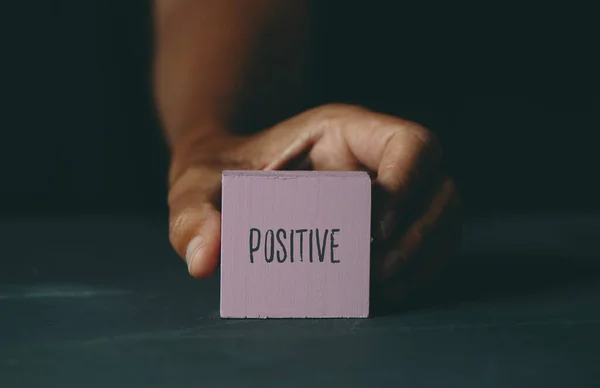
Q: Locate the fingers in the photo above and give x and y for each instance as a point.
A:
(414, 259)
(348, 137)
(288, 144)
(402, 155)
(195, 221)
(407, 162)
(399, 151)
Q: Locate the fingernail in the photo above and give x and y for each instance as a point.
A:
(387, 224)
(193, 249)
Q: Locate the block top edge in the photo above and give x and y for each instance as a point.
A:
(295, 174)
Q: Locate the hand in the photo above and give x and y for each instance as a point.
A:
(415, 221)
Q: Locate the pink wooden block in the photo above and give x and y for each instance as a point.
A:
(295, 244)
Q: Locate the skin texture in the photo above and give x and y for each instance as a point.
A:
(202, 71)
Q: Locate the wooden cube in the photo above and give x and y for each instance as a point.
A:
(295, 244)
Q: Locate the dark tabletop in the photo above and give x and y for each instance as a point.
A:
(104, 302)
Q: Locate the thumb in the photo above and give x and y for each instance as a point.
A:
(195, 221)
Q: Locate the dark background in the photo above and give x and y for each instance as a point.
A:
(510, 89)
(92, 294)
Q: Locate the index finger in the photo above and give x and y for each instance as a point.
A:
(400, 152)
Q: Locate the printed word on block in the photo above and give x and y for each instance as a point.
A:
(295, 244)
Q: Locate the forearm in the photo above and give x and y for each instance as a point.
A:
(204, 56)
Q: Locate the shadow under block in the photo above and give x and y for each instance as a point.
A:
(295, 244)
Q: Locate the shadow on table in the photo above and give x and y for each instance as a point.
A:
(485, 279)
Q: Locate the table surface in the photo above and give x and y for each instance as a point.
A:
(104, 302)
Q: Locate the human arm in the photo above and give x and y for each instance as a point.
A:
(213, 56)
(198, 86)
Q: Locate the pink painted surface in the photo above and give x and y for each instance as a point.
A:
(279, 288)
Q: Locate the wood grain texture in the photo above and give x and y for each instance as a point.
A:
(295, 244)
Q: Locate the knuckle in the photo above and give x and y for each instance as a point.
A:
(182, 223)
(422, 134)
(400, 182)
(429, 140)
(177, 226)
